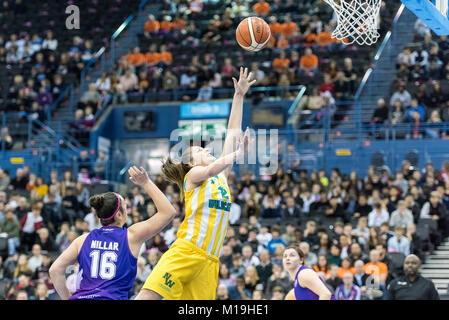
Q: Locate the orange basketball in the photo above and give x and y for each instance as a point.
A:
(253, 34)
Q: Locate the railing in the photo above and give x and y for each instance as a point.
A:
(60, 141)
(63, 95)
(116, 34)
(217, 93)
(101, 54)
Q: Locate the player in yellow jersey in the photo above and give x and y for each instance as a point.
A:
(189, 269)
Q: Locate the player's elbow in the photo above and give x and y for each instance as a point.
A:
(54, 270)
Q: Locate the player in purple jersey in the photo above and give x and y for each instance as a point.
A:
(308, 285)
(107, 256)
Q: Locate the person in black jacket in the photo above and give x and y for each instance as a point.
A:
(362, 209)
(436, 210)
(416, 243)
(380, 115)
(360, 277)
(291, 209)
(45, 240)
(412, 286)
(333, 282)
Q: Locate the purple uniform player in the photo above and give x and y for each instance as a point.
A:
(308, 285)
(107, 266)
(107, 256)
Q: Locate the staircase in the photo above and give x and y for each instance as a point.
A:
(54, 151)
(379, 83)
(436, 268)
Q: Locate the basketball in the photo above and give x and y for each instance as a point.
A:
(253, 34)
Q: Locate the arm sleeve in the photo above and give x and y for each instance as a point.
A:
(391, 291)
(433, 293)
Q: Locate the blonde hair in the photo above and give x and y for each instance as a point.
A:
(254, 276)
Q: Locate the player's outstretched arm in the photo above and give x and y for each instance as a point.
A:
(145, 230)
(199, 174)
(235, 119)
(59, 267)
(309, 279)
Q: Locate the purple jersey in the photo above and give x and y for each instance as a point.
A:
(302, 293)
(107, 268)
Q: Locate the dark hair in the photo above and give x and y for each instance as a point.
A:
(105, 205)
(176, 172)
(298, 250)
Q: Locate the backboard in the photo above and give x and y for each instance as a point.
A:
(433, 13)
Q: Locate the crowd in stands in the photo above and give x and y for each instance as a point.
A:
(40, 57)
(189, 51)
(420, 96)
(349, 227)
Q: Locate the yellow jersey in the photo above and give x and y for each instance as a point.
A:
(207, 209)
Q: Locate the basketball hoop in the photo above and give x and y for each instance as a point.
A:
(357, 21)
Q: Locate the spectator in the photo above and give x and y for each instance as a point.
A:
(100, 165)
(222, 292)
(308, 64)
(264, 268)
(362, 232)
(45, 240)
(237, 269)
(19, 182)
(360, 277)
(401, 216)
(403, 95)
(276, 239)
(415, 107)
(435, 210)
(348, 290)
(376, 268)
(310, 258)
(278, 278)
(224, 276)
(281, 63)
(322, 266)
(29, 224)
(36, 260)
(151, 26)
(248, 258)
(11, 228)
(399, 243)
(262, 8)
(289, 235)
(239, 292)
(412, 286)
(128, 81)
(381, 113)
(385, 233)
(357, 253)
(377, 216)
(333, 281)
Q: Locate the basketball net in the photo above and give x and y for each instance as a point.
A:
(357, 21)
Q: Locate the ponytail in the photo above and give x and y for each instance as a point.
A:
(175, 172)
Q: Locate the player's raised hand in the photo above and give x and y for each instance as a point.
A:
(244, 83)
(138, 176)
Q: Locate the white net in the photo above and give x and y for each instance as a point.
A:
(357, 20)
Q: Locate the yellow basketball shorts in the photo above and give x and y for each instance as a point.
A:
(184, 272)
